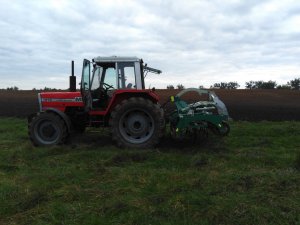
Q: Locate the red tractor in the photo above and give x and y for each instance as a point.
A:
(112, 94)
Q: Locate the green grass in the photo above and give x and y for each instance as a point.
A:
(250, 177)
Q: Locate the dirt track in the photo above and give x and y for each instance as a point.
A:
(252, 105)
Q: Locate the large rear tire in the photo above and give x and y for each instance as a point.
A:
(137, 123)
(47, 129)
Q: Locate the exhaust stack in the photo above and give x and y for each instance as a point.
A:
(72, 78)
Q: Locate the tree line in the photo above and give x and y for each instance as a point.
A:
(292, 84)
(14, 88)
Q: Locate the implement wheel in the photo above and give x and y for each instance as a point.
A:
(47, 129)
(137, 123)
(224, 129)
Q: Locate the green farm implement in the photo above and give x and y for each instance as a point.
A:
(196, 118)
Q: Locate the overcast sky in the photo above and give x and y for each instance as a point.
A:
(194, 42)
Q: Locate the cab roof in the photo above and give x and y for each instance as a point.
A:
(100, 59)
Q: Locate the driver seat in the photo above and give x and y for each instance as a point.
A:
(100, 99)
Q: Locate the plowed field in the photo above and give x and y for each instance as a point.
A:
(252, 105)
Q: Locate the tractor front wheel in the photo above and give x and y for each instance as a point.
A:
(137, 123)
(47, 129)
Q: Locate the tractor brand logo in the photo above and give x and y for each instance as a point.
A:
(76, 99)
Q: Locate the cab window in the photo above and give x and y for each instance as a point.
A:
(109, 76)
(85, 82)
(96, 78)
(127, 75)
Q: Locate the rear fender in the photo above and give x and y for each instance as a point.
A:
(118, 98)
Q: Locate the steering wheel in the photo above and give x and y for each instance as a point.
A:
(107, 86)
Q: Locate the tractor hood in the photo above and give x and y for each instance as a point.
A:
(59, 100)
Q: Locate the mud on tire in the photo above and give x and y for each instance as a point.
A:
(137, 123)
(47, 129)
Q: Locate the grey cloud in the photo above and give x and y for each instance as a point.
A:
(191, 41)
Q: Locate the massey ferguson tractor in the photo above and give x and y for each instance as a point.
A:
(112, 94)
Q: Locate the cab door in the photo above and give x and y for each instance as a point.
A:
(85, 86)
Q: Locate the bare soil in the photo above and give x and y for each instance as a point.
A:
(251, 105)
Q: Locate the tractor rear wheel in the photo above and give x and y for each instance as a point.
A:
(137, 123)
(47, 129)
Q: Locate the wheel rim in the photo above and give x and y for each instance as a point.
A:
(136, 126)
(47, 132)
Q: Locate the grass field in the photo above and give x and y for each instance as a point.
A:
(250, 177)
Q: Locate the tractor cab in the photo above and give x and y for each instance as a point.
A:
(104, 75)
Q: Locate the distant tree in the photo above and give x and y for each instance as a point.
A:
(284, 86)
(180, 87)
(221, 85)
(268, 85)
(49, 89)
(215, 85)
(250, 85)
(295, 84)
(201, 87)
(170, 87)
(232, 85)
(12, 88)
(224, 85)
(261, 84)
